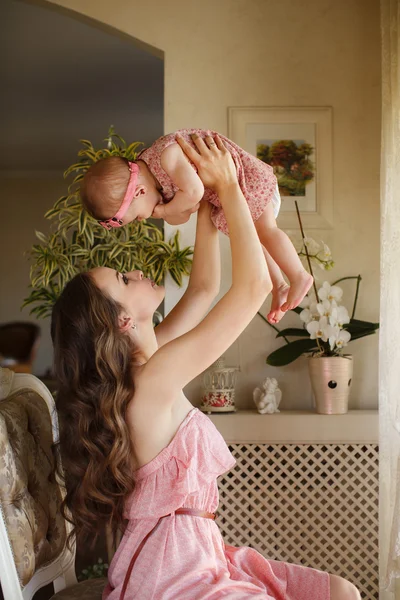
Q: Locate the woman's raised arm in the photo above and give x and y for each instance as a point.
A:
(203, 283)
(182, 359)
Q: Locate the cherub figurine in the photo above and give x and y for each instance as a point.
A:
(267, 400)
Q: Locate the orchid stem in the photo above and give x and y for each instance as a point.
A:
(308, 260)
(273, 327)
(359, 279)
(306, 249)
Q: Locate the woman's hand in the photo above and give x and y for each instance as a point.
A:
(213, 161)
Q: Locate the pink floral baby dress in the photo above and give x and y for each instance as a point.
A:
(185, 557)
(256, 179)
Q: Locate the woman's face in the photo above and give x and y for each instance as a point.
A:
(139, 296)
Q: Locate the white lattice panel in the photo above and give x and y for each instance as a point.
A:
(315, 505)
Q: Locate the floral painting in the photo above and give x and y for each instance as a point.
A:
(292, 164)
(297, 143)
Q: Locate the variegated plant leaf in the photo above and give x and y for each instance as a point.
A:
(76, 241)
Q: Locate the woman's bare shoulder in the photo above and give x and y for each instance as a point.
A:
(153, 425)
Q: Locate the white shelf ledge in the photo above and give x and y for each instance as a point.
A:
(298, 427)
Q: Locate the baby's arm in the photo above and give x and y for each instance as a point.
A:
(191, 188)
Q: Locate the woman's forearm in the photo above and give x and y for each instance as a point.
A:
(206, 269)
(217, 171)
(248, 262)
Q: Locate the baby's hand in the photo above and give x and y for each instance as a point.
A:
(159, 212)
(173, 218)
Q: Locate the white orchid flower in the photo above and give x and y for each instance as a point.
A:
(308, 302)
(325, 261)
(339, 316)
(333, 335)
(319, 329)
(344, 338)
(305, 303)
(330, 292)
(306, 316)
(328, 265)
(310, 311)
(325, 308)
(338, 337)
(312, 246)
(325, 253)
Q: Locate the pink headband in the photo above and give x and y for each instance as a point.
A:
(116, 220)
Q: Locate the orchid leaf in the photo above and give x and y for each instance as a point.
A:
(288, 353)
(357, 324)
(293, 331)
(361, 333)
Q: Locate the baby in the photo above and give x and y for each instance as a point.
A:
(163, 183)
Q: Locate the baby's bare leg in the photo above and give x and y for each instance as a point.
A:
(281, 249)
(280, 289)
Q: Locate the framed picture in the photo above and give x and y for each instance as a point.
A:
(297, 143)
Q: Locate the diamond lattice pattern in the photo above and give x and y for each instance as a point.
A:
(311, 504)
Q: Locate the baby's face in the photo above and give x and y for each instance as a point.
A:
(146, 199)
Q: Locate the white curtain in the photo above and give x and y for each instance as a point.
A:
(389, 353)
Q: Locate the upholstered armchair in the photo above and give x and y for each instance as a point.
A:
(33, 533)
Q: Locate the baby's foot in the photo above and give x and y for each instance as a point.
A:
(298, 289)
(279, 296)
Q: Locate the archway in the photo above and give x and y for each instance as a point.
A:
(66, 77)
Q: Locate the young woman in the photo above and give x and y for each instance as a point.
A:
(132, 445)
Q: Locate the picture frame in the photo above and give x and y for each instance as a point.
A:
(297, 142)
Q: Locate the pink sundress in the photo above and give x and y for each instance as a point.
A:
(256, 178)
(185, 558)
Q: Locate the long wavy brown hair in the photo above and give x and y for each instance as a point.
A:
(93, 368)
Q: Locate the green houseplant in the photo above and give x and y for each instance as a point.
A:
(94, 571)
(76, 241)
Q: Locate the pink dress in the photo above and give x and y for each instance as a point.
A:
(256, 179)
(185, 558)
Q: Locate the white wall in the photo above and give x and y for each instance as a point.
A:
(286, 53)
(24, 199)
(65, 80)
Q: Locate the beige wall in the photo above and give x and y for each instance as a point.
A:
(24, 199)
(288, 53)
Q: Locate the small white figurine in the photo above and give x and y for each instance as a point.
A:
(267, 400)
